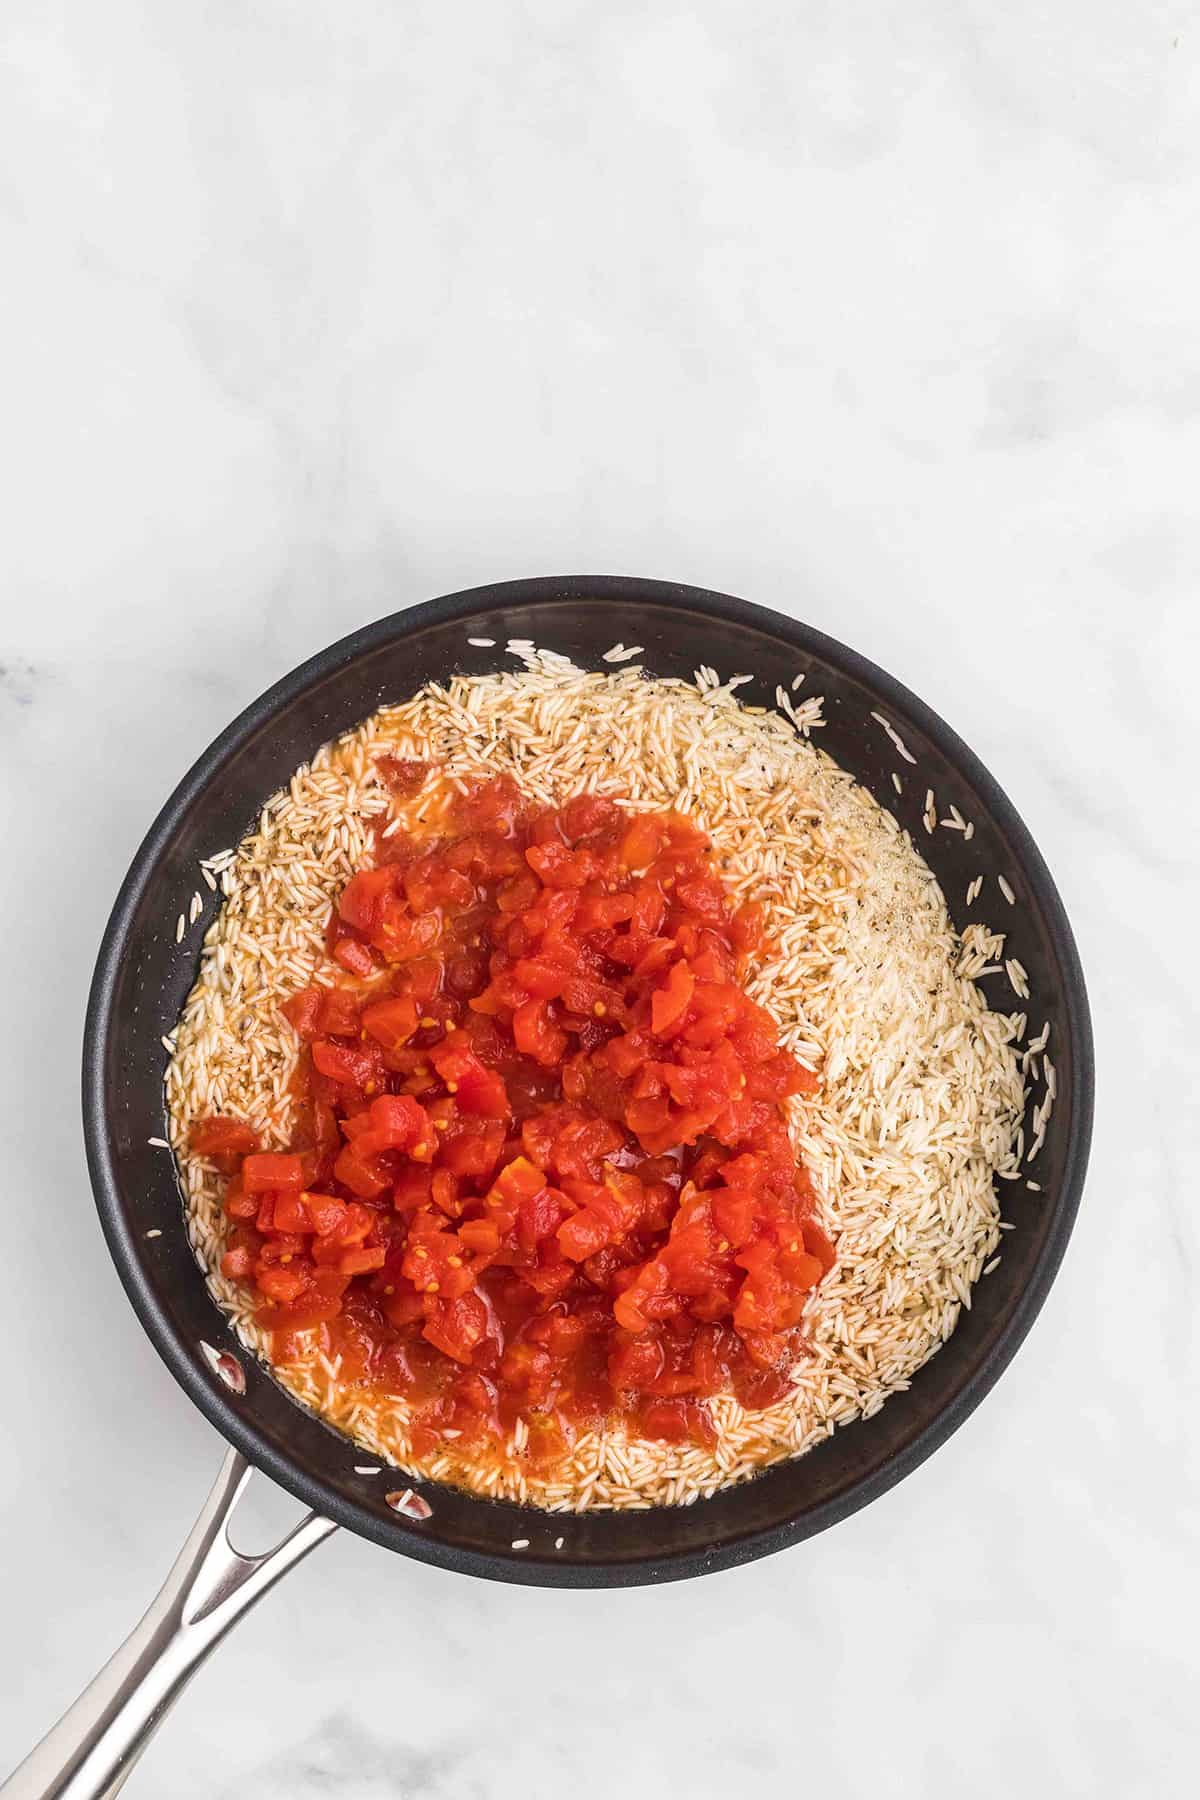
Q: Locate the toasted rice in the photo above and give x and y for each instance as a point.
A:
(921, 1094)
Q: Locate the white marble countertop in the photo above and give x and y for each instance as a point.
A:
(884, 317)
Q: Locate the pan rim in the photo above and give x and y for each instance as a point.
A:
(126, 1251)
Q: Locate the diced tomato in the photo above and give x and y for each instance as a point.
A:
(361, 1262)
(404, 776)
(300, 1010)
(518, 1181)
(476, 1090)
(222, 1139)
(326, 1214)
(482, 1235)
(473, 1146)
(401, 938)
(282, 1284)
(354, 957)
(457, 1326)
(818, 1244)
(608, 1215)
(238, 1203)
(413, 1188)
(538, 1217)
(311, 1307)
(363, 896)
(337, 1012)
(527, 1369)
(422, 980)
(556, 866)
(392, 1122)
(540, 978)
(747, 927)
(677, 1422)
(391, 1022)
(352, 1068)
(541, 1169)
(289, 1214)
(482, 1092)
(644, 838)
(734, 1212)
(535, 1034)
(430, 882)
(268, 1171)
(238, 1263)
(706, 898)
(361, 1171)
(443, 1191)
(636, 1363)
(586, 815)
(671, 1001)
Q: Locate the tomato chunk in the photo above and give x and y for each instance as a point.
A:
(222, 1137)
(671, 1001)
(269, 1171)
(363, 896)
(391, 1022)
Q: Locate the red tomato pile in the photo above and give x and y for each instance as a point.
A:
(542, 1169)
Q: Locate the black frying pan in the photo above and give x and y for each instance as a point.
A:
(142, 978)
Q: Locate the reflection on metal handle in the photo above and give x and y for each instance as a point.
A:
(90, 1752)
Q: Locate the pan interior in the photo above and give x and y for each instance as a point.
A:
(143, 977)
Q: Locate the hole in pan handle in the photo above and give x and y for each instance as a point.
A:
(89, 1754)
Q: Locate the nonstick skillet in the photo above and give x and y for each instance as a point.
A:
(142, 977)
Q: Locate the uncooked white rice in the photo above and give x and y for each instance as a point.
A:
(897, 740)
(1018, 977)
(921, 1090)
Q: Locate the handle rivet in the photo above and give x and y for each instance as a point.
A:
(411, 1505)
(225, 1367)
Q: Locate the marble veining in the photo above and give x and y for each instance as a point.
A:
(885, 317)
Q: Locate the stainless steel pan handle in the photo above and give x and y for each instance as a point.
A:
(88, 1755)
